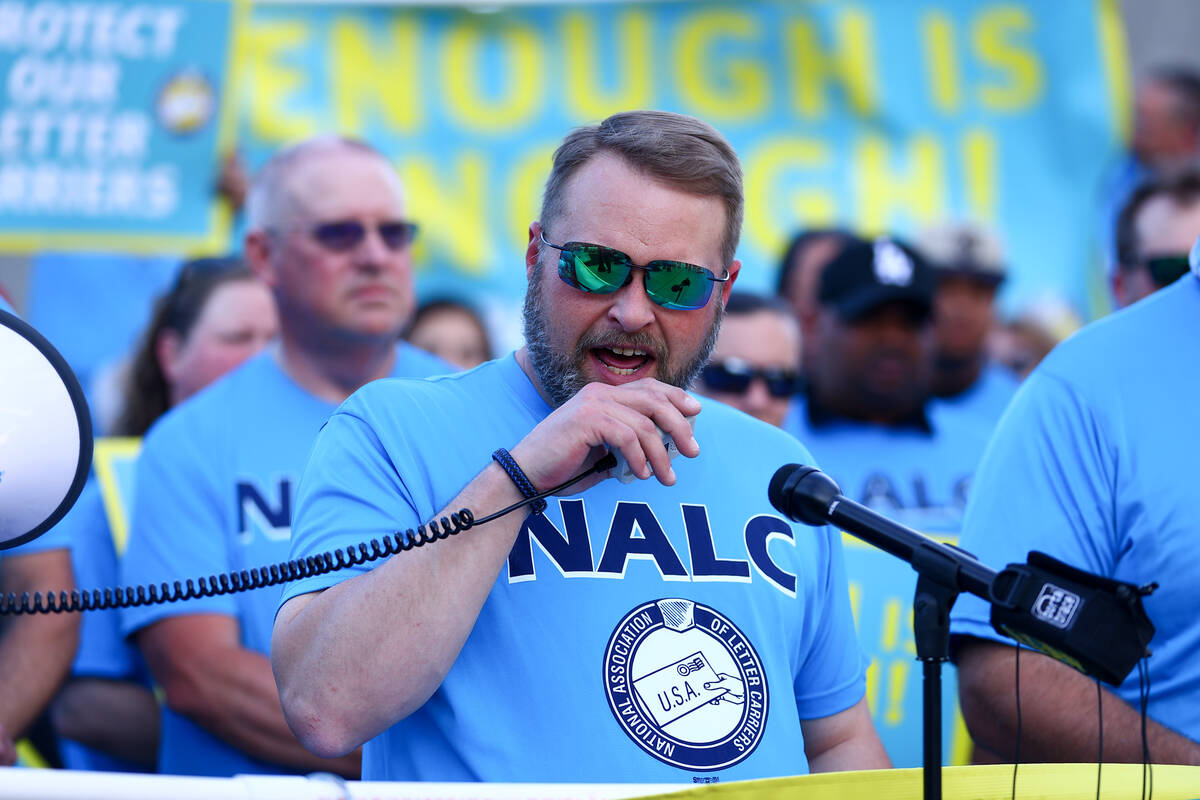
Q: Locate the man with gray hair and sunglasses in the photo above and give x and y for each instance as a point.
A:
(657, 621)
(329, 233)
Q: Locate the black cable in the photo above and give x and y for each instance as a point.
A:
(1017, 751)
(1100, 747)
(1144, 697)
(275, 574)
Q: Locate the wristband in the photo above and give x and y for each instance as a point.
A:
(524, 485)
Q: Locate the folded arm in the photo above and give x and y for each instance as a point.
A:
(1059, 722)
(228, 690)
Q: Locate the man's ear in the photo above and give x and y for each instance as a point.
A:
(257, 253)
(727, 287)
(1118, 287)
(533, 249)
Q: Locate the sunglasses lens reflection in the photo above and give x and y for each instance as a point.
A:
(601, 270)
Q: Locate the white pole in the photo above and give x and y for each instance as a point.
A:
(55, 784)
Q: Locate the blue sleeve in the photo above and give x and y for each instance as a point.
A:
(177, 528)
(351, 492)
(102, 651)
(1045, 483)
(832, 674)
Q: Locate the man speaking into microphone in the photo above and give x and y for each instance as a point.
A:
(668, 627)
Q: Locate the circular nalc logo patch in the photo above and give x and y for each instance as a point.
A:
(686, 685)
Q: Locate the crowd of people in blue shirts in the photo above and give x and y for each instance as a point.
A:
(872, 360)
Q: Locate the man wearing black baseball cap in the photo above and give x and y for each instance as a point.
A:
(867, 418)
(872, 332)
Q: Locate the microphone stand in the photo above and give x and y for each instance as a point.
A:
(944, 572)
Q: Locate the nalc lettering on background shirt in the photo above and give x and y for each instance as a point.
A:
(1093, 464)
(918, 476)
(637, 633)
(215, 484)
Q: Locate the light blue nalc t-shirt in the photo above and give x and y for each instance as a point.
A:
(919, 478)
(639, 633)
(1094, 464)
(215, 483)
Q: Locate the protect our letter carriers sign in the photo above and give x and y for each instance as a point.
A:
(112, 120)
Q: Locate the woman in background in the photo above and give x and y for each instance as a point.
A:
(453, 331)
(215, 316)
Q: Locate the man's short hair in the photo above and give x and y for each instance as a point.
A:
(1182, 188)
(267, 190)
(679, 151)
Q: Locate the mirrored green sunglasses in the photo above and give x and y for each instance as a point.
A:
(596, 269)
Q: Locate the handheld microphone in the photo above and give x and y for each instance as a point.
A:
(1096, 625)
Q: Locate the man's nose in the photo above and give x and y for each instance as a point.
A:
(372, 251)
(631, 307)
(757, 397)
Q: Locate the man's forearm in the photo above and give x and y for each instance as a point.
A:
(236, 699)
(366, 632)
(1059, 720)
(35, 650)
(116, 717)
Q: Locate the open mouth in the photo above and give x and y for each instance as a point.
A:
(621, 360)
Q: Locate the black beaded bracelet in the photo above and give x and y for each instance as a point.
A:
(505, 460)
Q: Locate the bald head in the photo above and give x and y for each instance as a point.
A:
(283, 189)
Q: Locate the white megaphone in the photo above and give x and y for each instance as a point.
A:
(45, 434)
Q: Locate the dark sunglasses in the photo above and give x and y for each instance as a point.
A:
(734, 376)
(596, 269)
(343, 235)
(1165, 270)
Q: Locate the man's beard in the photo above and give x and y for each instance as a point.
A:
(561, 374)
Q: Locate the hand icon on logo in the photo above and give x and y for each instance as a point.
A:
(735, 689)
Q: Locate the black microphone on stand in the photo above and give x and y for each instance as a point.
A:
(805, 494)
(1096, 625)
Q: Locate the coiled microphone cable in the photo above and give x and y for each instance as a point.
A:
(261, 577)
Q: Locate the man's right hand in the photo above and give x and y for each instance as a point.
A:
(599, 416)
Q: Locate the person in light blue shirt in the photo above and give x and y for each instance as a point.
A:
(328, 233)
(215, 316)
(867, 417)
(1092, 464)
(669, 629)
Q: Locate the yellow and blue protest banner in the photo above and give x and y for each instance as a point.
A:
(878, 116)
(111, 124)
